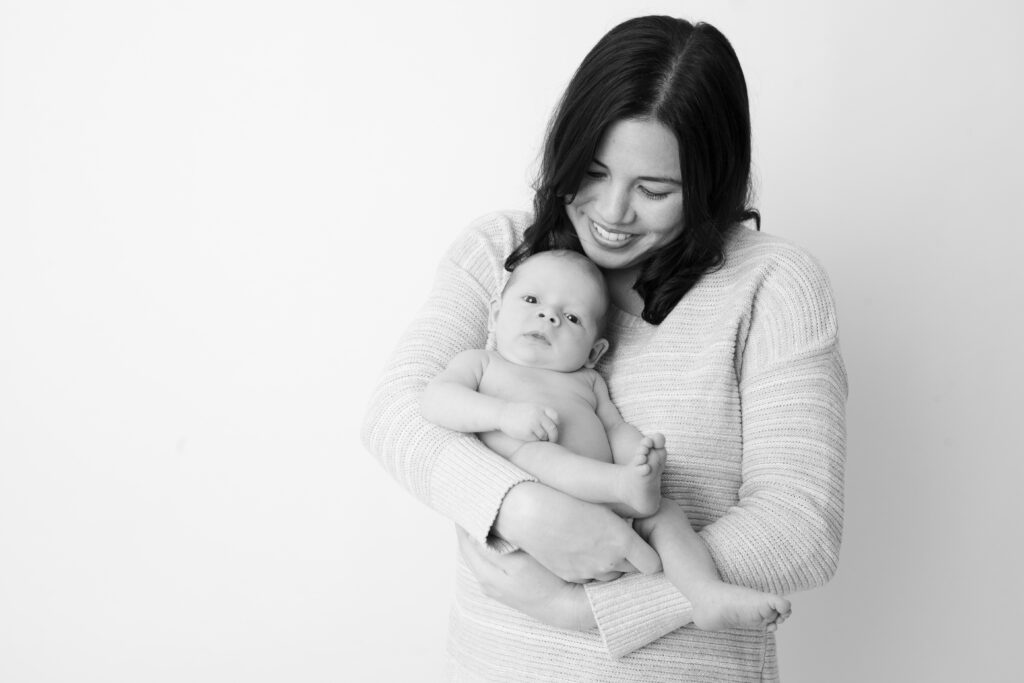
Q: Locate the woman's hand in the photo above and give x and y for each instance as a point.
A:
(519, 581)
(576, 541)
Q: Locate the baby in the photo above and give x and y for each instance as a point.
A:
(538, 401)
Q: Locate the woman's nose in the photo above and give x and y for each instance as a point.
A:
(553, 319)
(613, 205)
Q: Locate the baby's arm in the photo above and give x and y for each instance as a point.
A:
(630, 485)
(452, 400)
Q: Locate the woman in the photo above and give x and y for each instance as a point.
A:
(724, 339)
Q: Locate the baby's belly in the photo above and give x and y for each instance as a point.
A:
(580, 430)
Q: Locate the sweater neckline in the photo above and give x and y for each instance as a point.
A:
(621, 320)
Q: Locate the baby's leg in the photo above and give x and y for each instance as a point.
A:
(640, 479)
(688, 565)
(631, 490)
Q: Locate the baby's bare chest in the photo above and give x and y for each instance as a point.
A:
(571, 395)
(571, 391)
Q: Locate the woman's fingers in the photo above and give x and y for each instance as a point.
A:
(489, 575)
(519, 581)
(470, 551)
(643, 556)
(574, 540)
(624, 566)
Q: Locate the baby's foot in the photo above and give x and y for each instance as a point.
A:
(719, 606)
(640, 479)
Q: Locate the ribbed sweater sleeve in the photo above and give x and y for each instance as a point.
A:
(783, 533)
(635, 610)
(452, 473)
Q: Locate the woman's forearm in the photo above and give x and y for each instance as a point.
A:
(784, 534)
(451, 472)
(577, 541)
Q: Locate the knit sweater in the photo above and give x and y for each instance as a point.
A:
(745, 380)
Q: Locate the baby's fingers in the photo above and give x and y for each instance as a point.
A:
(550, 429)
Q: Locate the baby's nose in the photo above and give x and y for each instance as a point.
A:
(551, 318)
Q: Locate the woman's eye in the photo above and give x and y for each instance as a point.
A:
(573, 319)
(595, 174)
(653, 195)
(530, 299)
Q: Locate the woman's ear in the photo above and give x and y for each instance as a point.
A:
(596, 351)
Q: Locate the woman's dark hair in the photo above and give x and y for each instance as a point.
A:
(687, 78)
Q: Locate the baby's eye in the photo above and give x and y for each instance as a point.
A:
(529, 298)
(571, 318)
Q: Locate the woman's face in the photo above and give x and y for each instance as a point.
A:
(631, 201)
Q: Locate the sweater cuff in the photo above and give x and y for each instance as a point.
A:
(472, 496)
(636, 610)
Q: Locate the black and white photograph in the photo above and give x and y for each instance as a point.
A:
(660, 341)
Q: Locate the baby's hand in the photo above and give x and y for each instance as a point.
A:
(529, 422)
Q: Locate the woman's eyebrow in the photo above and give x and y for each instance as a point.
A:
(649, 178)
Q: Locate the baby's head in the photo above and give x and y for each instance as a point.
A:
(551, 313)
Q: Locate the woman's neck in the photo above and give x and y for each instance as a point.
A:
(620, 288)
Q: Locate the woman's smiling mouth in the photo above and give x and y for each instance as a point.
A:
(608, 237)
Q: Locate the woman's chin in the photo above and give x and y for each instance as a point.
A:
(609, 259)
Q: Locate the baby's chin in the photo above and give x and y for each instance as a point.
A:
(536, 360)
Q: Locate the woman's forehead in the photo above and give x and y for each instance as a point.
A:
(645, 146)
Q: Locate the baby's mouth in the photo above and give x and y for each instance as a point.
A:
(537, 336)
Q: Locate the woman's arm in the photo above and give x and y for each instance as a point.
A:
(519, 581)
(783, 534)
(452, 473)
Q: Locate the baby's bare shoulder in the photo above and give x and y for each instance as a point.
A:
(589, 376)
(587, 379)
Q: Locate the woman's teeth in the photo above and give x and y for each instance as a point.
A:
(609, 235)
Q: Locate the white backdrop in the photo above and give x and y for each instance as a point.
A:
(216, 217)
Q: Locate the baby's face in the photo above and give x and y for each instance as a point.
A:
(550, 314)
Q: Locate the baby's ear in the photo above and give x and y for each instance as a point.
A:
(596, 351)
(492, 318)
